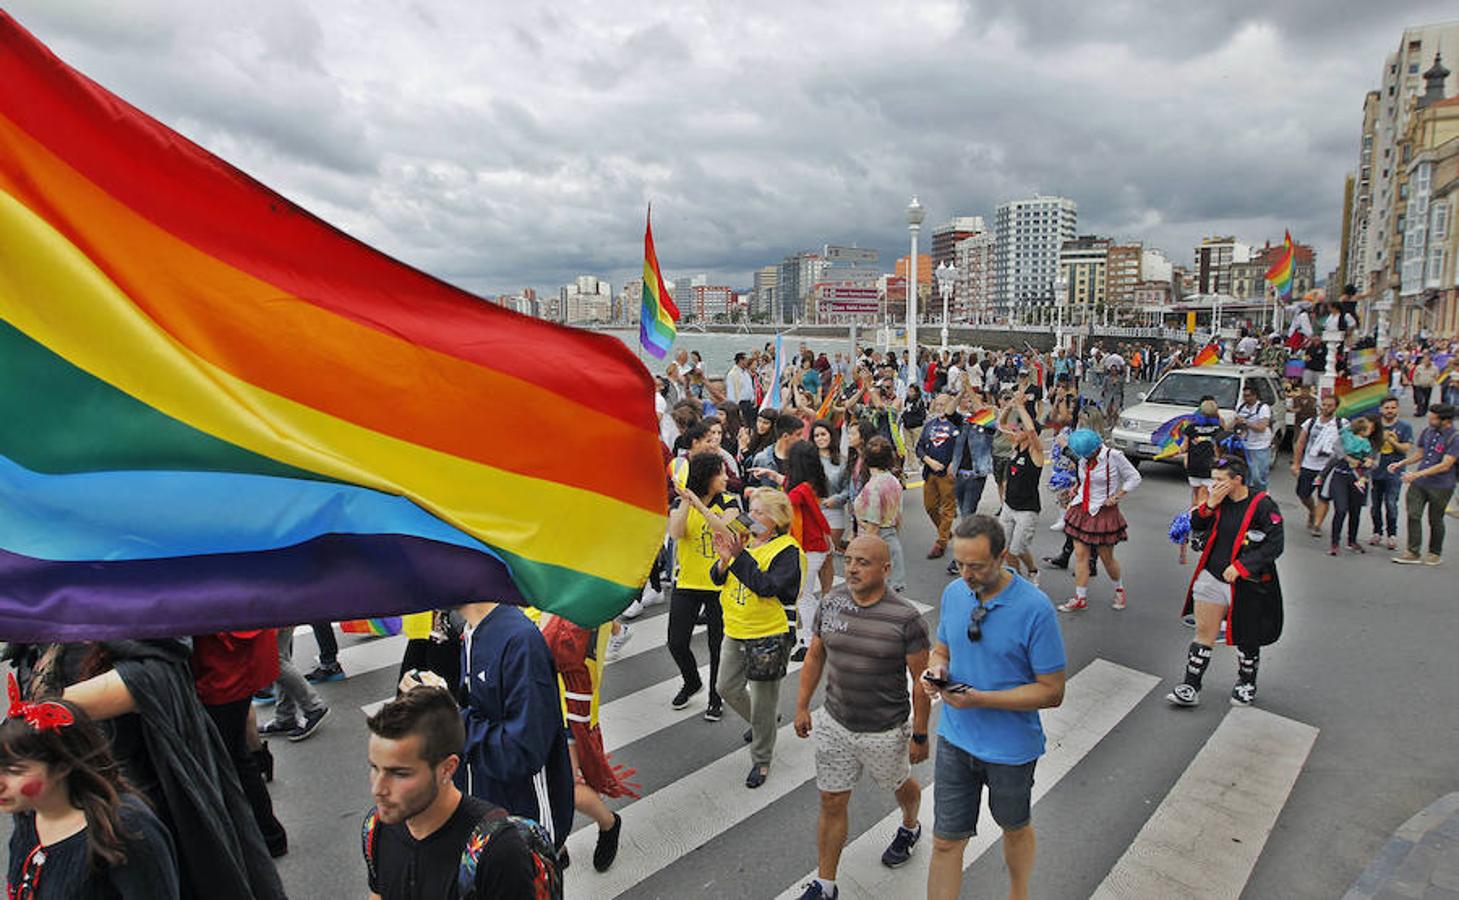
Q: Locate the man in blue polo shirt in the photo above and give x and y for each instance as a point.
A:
(998, 660)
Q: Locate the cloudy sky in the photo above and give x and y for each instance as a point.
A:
(500, 145)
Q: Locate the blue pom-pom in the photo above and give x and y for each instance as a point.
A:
(1062, 479)
(1180, 528)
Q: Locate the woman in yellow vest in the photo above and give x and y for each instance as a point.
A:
(761, 573)
(704, 509)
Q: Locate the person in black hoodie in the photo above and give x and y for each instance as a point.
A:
(1235, 580)
(142, 694)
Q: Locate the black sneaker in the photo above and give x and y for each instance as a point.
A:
(311, 725)
(715, 711)
(681, 699)
(757, 776)
(607, 849)
(798, 655)
(322, 673)
(1243, 694)
(277, 728)
(814, 891)
(900, 849)
(265, 697)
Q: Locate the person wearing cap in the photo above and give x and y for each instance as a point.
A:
(1430, 485)
(1094, 519)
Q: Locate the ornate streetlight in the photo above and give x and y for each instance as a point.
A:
(915, 214)
(946, 274)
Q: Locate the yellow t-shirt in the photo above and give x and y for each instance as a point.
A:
(747, 615)
(679, 470)
(696, 549)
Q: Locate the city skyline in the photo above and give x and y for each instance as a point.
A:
(504, 148)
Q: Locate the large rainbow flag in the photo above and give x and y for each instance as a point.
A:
(658, 315)
(1280, 274)
(219, 412)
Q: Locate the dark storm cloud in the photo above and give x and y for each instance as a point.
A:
(501, 146)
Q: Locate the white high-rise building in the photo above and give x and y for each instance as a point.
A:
(1374, 235)
(975, 257)
(1028, 235)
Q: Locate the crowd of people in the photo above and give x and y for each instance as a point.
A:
(140, 768)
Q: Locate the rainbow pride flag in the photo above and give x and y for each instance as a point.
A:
(1169, 435)
(1209, 355)
(221, 413)
(1280, 274)
(378, 627)
(1361, 400)
(658, 316)
(983, 417)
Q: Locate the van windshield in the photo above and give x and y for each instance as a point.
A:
(1187, 389)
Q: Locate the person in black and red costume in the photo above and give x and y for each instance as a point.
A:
(1236, 580)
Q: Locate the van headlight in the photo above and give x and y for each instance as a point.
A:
(1129, 424)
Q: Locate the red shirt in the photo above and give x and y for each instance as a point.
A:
(233, 665)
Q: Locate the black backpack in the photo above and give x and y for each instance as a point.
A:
(547, 875)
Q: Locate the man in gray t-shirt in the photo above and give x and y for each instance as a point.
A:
(868, 640)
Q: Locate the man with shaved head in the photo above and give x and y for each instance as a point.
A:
(867, 639)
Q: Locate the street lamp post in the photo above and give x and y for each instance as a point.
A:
(915, 214)
(946, 283)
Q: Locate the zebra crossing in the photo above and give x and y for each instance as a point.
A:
(709, 803)
(1201, 839)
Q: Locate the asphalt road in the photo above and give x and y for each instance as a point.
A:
(1367, 658)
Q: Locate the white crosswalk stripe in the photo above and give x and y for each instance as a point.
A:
(1095, 700)
(1205, 837)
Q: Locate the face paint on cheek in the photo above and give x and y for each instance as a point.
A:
(31, 788)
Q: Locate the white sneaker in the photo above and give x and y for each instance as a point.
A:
(652, 597)
(1057, 526)
(634, 610)
(616, 642)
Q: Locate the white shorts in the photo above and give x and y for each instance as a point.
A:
(841, 755)
(1199, 482)
(1210, 589)
(1019, 525)
(835, 516)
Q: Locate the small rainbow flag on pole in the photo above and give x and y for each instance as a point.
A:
(1279, 275)
(657, 320)
(1209, 355)
(221, 413)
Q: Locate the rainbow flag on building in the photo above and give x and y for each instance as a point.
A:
(222, 413)
(1280, 274)
(658, 317)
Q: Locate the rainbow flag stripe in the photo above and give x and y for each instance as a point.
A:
(1280, 274)
(1359, 401)
(983, 417)
(222, 413)
(377, 627)
(1209, 356)
(657, 319)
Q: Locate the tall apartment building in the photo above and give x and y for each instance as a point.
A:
(709, 301)
(1083, 266)
(1213, 259)
(946, 236)
(1029, 234)
(1430, 149)
(587, 299)
(976, 284)
(762, 295)
(1122, 272)
(796, 278)
(1376, 234)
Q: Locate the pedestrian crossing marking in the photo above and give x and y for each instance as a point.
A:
(1205, 837)
(1095, 701)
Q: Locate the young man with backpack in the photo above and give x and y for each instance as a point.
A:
(1317, 439)
(424, 838)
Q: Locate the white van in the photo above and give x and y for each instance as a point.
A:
(1180, 391)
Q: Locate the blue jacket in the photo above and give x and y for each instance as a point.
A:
(516, 741)
(973, 453)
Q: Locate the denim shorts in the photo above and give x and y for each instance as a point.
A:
(960, 778)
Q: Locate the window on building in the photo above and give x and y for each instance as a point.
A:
(1413, 68)
(1441, 221)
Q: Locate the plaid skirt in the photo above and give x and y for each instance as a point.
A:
(1103, 529)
